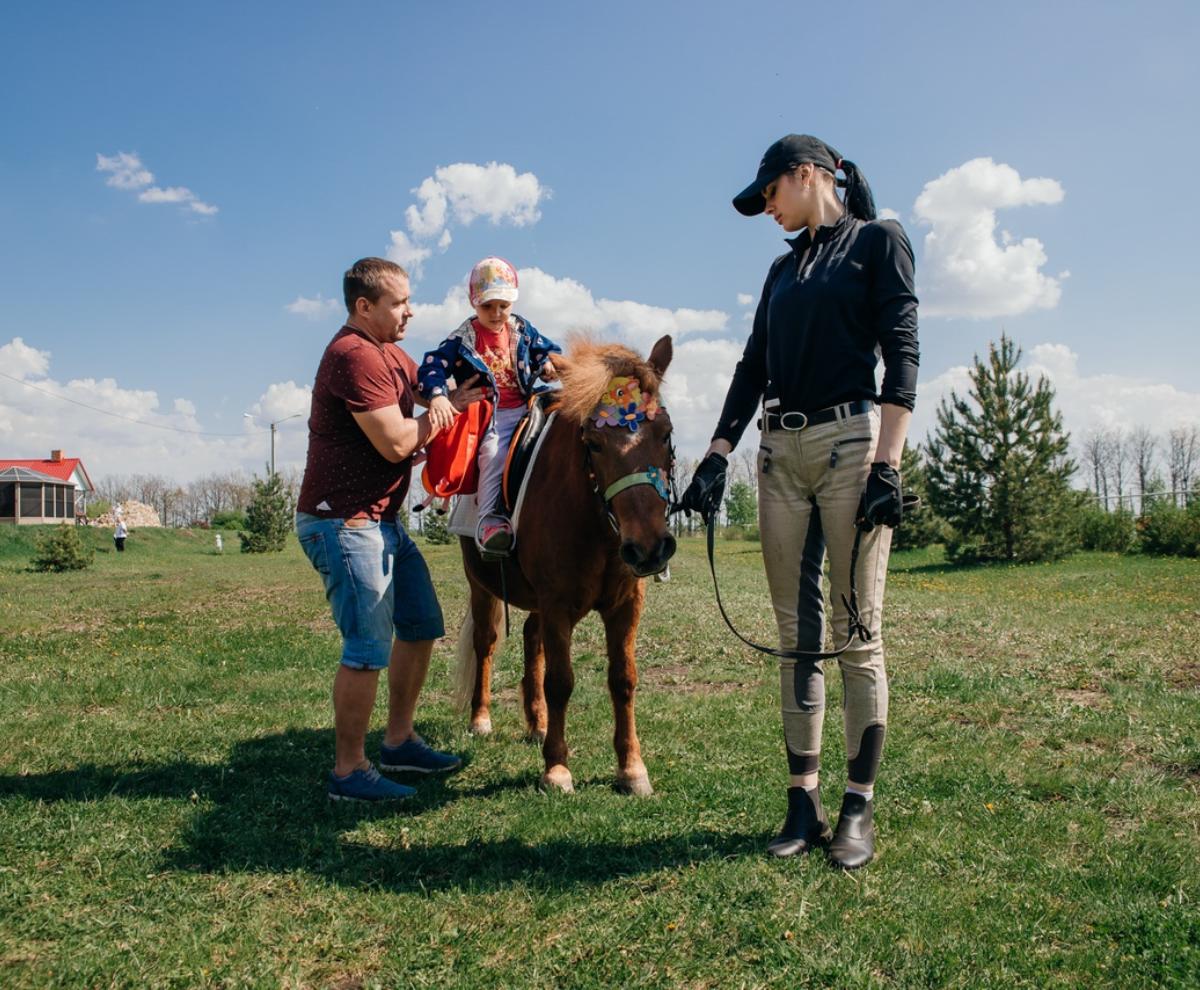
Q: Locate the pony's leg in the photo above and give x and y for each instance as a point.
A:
(559, 681)
(533, 692)
(620, 632)
(485, 611)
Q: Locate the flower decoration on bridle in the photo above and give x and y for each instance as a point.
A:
(625, 404)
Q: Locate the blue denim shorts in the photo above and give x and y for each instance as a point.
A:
(377, 583)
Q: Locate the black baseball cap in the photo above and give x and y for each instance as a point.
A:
(784, 155)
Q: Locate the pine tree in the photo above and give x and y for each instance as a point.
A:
(921, 526)
(999, 468)
(61, 549)
(437, 530)
(268, 517)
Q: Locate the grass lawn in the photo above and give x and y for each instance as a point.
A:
(165, 731)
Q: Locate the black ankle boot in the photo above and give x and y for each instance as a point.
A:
(805, 825)
(854, 841)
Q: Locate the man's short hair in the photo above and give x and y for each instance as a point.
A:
(365, 279)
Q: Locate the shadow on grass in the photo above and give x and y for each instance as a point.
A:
(269, 814)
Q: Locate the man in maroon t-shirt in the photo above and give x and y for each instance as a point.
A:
(362, 437)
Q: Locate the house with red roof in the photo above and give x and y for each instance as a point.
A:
(43, 491)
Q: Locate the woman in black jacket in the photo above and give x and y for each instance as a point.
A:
(839, 299)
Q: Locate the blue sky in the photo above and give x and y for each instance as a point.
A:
(289, 139)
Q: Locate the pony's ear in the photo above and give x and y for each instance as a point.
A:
(661, 354)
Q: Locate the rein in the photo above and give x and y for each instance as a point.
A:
(856, 627)
(857, 630)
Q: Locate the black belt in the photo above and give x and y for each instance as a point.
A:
(793, 421)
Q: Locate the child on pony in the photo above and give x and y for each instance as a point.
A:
(515, 359)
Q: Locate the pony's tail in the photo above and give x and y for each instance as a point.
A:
(466, 664)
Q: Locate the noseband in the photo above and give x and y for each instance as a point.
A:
(664, 487)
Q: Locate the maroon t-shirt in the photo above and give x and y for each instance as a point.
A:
(345, 476)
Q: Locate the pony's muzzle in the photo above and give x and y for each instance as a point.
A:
(643, 563)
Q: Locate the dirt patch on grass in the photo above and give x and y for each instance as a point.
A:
(1185, 674)
(1083, 697)
(682, 679)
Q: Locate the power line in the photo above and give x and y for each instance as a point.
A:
(128, 419)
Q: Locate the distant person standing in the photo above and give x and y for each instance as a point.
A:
(361, 441)
(220, 544)
(119, 535)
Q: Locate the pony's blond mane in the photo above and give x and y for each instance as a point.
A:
(589, 367)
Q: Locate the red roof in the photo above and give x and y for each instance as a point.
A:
(56, 469)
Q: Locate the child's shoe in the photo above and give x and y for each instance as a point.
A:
(495, 537)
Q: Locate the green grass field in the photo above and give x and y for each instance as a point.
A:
(165, 731)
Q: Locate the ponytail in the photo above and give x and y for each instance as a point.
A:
(859, 200)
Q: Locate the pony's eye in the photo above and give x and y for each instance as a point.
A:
(594, 446)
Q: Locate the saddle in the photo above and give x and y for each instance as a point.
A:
(522, 450)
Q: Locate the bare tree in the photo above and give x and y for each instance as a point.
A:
(1095, 460)
(1117, 459)
(1143, 448)
(1183, 446)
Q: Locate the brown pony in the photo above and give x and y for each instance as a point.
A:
(593, 526)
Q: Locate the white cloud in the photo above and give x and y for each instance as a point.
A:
(1086, 402)
(35, 420)
(20, 360)
(886, 213)
(126, 171)
(314, 309)
(461, 194)
(281, 400)
(406, 254)
(745, 299)
(967, 269)
(466, 192)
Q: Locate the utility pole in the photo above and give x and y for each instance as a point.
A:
(273, 425)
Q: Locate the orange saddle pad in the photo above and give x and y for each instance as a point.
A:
(450, 464)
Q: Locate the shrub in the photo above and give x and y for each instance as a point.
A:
(1115, 532)
(61, 549)
(1168, 529)
(98, 508)
(268, 518)
(234, 519)
(435, 529)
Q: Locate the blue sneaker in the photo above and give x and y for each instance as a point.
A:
(367, 785)
(415, 756)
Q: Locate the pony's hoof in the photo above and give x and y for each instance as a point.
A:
(558, 778)
(536, 736)
(636, 784)
(481, 726)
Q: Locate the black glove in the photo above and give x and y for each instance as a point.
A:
(703, 495)
(882, 502)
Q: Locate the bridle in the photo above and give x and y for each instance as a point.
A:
(664, 486)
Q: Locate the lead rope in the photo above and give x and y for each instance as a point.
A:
(857, 629)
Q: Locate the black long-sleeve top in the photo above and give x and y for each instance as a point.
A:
(831, 306)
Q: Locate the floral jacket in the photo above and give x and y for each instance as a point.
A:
(456, 356)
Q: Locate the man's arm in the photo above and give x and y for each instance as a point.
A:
(394, 435)
(397, 437)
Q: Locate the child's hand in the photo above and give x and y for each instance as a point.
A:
(549, 372)
(441, 413)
